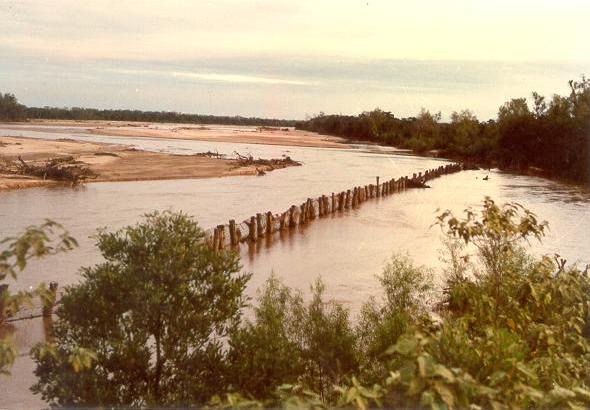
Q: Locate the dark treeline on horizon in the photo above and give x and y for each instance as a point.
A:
(11, 110)
(551, 135)
(77, 113)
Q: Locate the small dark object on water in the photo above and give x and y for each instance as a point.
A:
(486, 178)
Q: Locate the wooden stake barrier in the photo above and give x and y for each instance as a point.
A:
(266, 224)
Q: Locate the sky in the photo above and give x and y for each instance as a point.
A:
(291, 59)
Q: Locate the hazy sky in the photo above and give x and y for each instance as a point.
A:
(290, 58)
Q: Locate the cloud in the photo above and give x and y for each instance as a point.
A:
(235, 78)
(212, 77)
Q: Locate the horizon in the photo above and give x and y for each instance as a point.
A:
(302, 58)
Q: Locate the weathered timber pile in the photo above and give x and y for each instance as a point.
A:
(265, 224)
(248, 160)
(65, 168)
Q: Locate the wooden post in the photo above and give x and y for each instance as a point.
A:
(259, 225)
(252, 235)
(49, 303)
(311, 208)
(221, 229)
(341, 201)
(292, 215)
(377, 186)
(269, 223)
(215, 244)
(239, 235)
(282, 221)
(232, 233)
(333, 203)
(302, 215)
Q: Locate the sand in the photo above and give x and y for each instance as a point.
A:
(114, 162)
(217, 133)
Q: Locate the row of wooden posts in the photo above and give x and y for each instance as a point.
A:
(265, 224)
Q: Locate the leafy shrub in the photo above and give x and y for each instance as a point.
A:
(147, 324)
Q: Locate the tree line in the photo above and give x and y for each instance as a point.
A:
(77, 113)
(162, 325)
(551, 135)
(11, 110)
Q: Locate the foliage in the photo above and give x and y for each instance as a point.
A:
(406, 289)
(35, 242)
(292, 343)
(553, 136)
(155, 314)
(10, 109)
(80, 113)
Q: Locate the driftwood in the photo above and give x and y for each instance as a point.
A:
(58, 169)
(248, 160)
(106, 154)
(209, 154)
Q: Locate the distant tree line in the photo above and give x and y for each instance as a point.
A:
(10, 109)
(552, 135)
(77, 113)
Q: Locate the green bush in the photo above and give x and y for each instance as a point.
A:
(145, 326)
(292, 342)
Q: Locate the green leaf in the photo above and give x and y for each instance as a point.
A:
(445, 393)
(445, 373)
(406, 345)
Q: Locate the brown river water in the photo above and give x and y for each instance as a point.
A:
(346, 250)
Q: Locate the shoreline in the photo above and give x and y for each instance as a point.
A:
(117, 163)
(195, 132)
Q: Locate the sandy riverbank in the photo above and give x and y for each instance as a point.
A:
(217, 133)
(114, 162)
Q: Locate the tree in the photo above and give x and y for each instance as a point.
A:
(10, 109)
(153, 314)
(292, 342)
(465, 132)
(35, 242)
(266, 353)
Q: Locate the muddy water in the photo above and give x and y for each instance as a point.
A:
(346, 250)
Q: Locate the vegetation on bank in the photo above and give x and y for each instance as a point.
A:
(163, 325)
(11, 110)
(553, 135)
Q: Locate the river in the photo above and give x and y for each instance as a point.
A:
(346, 250)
